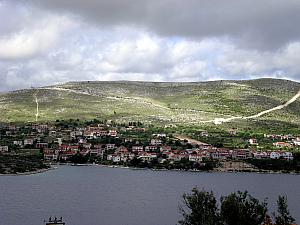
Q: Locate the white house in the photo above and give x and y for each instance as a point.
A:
(196, 157)
(137, 148)
(20, 143)
(287, 155)
(297, 141)
(110, 146)
(145, 156)
(114, 158)
(253, 141)
(3, 148)
(28, 142)
(275, 155)
(156, 142)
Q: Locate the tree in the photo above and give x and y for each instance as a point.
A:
(241, 208)
(283, 217)
(199, 208)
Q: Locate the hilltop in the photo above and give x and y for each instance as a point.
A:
(191, 103)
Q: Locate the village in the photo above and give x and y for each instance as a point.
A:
(136, 145)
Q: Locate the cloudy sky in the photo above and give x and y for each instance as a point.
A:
(54, 41)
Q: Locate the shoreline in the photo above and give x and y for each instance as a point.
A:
(198, 171)
(53, 166)
(29, 173)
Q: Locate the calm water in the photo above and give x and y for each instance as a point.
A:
(110, 196)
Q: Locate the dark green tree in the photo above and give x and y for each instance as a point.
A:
(241, 208)
(283, 217)
(199, 208)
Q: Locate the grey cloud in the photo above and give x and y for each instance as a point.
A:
(130, 40)
(267, 24)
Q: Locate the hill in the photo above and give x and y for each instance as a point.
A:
(193, 103)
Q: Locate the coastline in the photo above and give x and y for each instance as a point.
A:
(53, 166)
(30, 172)
(199, 171)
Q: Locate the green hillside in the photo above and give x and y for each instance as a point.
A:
(165, 103)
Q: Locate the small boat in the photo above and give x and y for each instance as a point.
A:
(54, 221)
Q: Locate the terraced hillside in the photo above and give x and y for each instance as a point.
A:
(167, 103)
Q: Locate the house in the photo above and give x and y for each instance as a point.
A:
(150, 148)
(220, 153)
(204, 134)
(49, 155)
(282, 144)
(101, 133)
(12, 127)
(68, 148)
(19, 143)
(96, 151)
(146, 156)
(75, 134)
(204, 146)
(121, 157)
(122, 150)
(114, 158)
(66, 155)
(87, 145)
(261, 155)
(59, 141)
(137, 148)
(52, 133)
(287, 155)
(232, 131)
(88, 134)
(297, 141)
(275, 155)
(110, 146)
(253, 141)
(113, 133)
(40, 128)
(241, 154)
(198, 157)
(156, 142)
(84, 152)
(165, 148)
(3, 148)
(161, 135)
(41, 145)
(178, 157)
(28, 141)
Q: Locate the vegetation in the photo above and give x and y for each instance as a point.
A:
(276, 164)
(13, 164)
(160, 103)
(283, 217)
(202, 208)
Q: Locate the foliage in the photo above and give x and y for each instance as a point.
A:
(158, 103)
(20, 163)
(277, 164)
(241, 208)
(79, 159)
(199, 208)
(283, 217)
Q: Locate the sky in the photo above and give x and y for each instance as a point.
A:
(55, 41)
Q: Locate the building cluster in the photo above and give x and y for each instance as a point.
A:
(110, 143)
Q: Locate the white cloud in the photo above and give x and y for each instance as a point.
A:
(32, 41)
(46, 48)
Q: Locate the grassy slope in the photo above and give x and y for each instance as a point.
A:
(185, 103)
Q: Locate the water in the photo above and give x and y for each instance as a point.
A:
(95, 195)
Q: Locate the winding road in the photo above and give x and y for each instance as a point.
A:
(223, 120)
